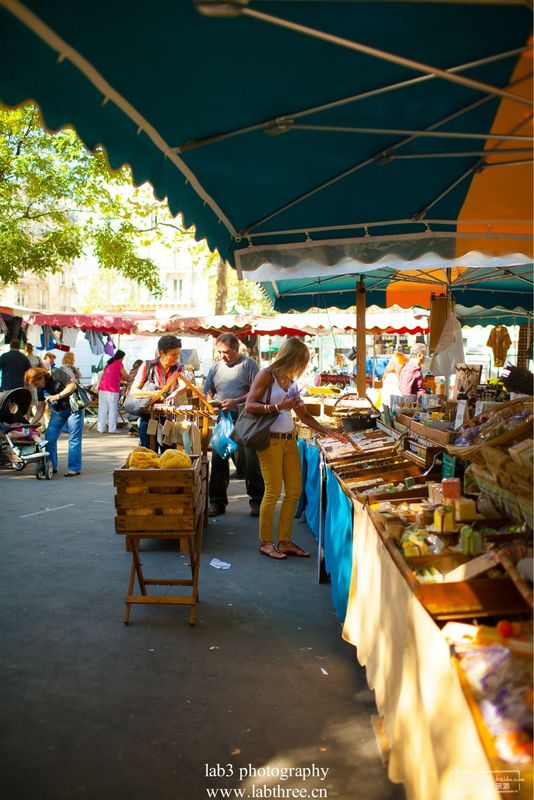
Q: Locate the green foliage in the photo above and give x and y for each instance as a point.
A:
(240, 297)
(58, 201)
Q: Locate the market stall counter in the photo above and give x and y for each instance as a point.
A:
(426, 548)
(433, 742)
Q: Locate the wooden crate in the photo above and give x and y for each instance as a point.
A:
(435, 435)
(175, 498)
(479, 597)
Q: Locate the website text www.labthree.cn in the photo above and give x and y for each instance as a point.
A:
(268, 782)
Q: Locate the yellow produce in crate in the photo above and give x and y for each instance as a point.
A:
(142, 458)
(174, 459)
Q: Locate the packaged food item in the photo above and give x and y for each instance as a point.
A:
(429, 575)
(471, 541)
(444, 521)
(434, 493)
(414, 544)
(393, 526)
(436, 545)
(485, 668)
(465, 509)
(451, 488)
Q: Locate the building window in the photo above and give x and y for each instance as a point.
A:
(177, 289)
(21, 297)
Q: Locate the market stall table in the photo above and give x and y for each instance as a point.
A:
(432, 739)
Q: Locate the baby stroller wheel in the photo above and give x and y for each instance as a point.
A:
(44, 469)
(18, 465)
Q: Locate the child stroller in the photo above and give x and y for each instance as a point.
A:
(17, 453)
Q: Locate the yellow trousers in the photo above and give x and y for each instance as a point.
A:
(280, 463)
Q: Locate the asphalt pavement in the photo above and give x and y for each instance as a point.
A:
(261, 698)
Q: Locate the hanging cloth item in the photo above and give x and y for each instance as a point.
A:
(33, 335)
(110, 346)
(3, 329)
(47, 340)
(69, 336)
(499, 341)
(96, 342)
(450, 349)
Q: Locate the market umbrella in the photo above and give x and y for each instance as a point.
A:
(299, 130)
(313, 286)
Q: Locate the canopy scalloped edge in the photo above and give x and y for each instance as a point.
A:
(358, 256)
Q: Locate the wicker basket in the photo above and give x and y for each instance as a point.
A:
(355, 419)
(472, 452)
(516, 507)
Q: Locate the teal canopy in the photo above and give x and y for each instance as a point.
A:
(476, 286)
(361, 125)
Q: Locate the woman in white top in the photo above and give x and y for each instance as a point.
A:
(390, 378)
(280, 461)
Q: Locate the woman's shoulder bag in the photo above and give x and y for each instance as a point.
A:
(252, 430)
(79, 399)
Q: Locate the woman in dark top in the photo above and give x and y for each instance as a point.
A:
(58, 385)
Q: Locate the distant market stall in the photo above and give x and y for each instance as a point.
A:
(394, 320)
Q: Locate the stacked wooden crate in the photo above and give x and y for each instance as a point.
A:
(162, 504)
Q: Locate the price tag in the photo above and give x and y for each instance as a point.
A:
(448, 466)
(461, 413)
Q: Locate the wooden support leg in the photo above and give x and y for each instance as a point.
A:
(135, 569)
(198, 545)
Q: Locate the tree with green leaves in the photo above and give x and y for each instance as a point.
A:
(59, 201)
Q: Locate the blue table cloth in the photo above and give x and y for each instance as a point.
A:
(338, 543)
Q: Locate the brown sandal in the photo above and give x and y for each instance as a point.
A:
(272, 552)
(292, 549)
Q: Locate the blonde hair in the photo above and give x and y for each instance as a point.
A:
(68, 359)
(292, 359)
(395, 364)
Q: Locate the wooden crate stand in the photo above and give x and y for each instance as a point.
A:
(175, 500)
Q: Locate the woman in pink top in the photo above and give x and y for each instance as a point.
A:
(109, 391)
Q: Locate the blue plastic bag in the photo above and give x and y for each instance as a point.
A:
(220, 441)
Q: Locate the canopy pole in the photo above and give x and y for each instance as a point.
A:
(373, 379)
(361, 385)
(393, 58)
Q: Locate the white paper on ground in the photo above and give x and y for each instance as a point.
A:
(215, 562)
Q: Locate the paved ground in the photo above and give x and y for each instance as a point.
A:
(159, 710)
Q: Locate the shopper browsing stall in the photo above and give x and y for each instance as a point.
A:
(227, 384)
(57, 387)
(68, 364)
(152, 376)
(391, 378)
(274, 391)
(411, 377)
